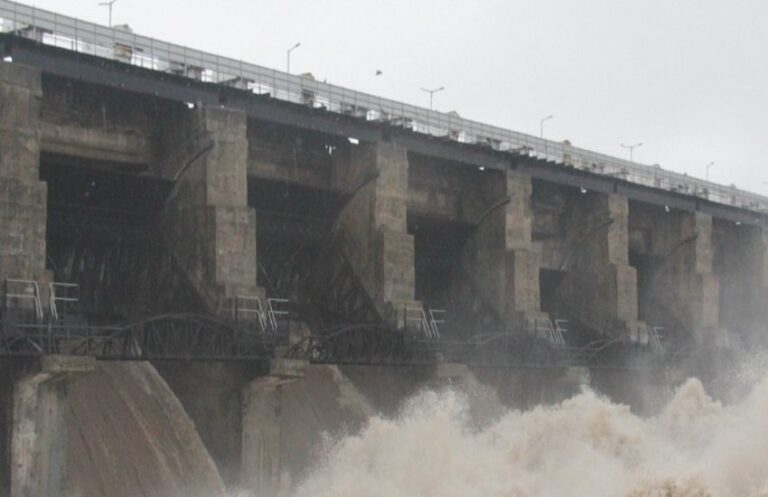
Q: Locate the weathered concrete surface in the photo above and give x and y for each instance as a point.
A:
(525, 388)
(372, 226)
(114, 430)
(11, 370)
(694, 288)
(600, 287)
(436, 188)
(285, 154)
(549, 206)
(38, 446)
(99, 144)
(209, 226)
(212, 396)
(741, 263)
(128, 435)
(23, 197)
(683, 283)
(385, 387)
(90, 122)
(285, 423)
(498, 259)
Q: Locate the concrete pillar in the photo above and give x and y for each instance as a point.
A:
(600, 287)
(261, 448)
(23, 198)
(261, 471)
(372, 226)
(38, 439)
(741, 264)
(499, 257)
(684, 278)
(208, 224)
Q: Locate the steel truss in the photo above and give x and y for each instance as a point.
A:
(380, 344)
(167, 336)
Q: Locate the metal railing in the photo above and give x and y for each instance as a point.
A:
(118, 44)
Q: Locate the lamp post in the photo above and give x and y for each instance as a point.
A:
(631, 149)
(432, 93)
(109, 5)
(708, 166)
(541, 124)
(288, 57)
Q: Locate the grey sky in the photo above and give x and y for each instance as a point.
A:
(687, 78)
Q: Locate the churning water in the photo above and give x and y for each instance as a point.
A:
(586, 446)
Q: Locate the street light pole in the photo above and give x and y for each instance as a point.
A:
(109, 5)
(288, 57)
(708, 166)
(632, 149)
(432, 93)
(541, 125)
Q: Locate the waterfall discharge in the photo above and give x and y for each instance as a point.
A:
(586, 446)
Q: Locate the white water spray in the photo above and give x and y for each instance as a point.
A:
(585, 446)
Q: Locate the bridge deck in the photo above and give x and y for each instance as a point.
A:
(111, 43)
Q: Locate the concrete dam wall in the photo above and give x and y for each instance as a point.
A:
(206, 291)
(121, 430)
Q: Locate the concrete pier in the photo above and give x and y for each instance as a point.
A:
(499, 258)
(208, 224)
(38, 447)
(373, 229)
(600, 287)
(674, 251)
(285, 417)
(23, 197)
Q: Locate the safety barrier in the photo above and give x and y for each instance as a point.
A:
(125, 46)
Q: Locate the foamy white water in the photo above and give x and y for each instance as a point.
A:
(585, 447)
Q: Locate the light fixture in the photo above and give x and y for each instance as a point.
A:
(583, 190)
(666, 208)
(108, 4)
(190, 105)
(353, 141)
(288, 57)
(7, 58)
(432, 93)
(482, 168)
(541, 124)
(631, 149)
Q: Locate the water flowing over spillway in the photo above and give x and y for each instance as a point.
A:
(585, 446)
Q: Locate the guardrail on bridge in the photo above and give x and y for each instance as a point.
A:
(119, 44)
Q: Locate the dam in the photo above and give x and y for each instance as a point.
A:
(208, 266)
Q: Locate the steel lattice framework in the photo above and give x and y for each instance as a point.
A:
(167, 336)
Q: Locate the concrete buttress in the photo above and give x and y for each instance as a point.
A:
(208, 224)
(23, 197)
(286, 417)
(600, 287)
(498, 259)
(372, 226)
(38, 451)
(685, 280)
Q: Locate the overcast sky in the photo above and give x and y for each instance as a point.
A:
(687, 78)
